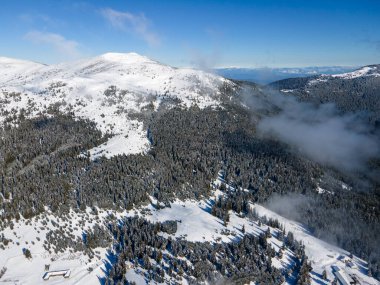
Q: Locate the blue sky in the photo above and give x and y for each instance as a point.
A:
(206, 33)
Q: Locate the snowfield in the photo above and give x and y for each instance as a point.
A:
(109, 90)
(32, 235)
(12, 69)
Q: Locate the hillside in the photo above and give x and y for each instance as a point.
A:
(355, 91)
(109, 90)
(119, 169)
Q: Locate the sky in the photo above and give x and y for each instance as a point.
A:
(204, 34)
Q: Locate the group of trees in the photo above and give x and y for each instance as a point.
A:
(248, 259)
(236, 200)
(43, 162)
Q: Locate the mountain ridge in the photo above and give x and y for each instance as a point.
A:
(108, 89)
(352, 92)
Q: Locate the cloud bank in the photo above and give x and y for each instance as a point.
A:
(128, 22)
(343, 141)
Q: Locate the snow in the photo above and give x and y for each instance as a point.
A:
(136, 276)
(84, 88)
(323, 256)
(195, 223)
(81, 87)
(287, 90)
(320, 190)
(203, 228)
(11, 68)
(323, 191)
(367, 71)
(322, 78)
(31, 234)
(364, 71)
(128, 142)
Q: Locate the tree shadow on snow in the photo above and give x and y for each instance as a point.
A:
(108, 262)
(207, 208)
(319, 279)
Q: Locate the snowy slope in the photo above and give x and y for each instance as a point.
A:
(366, 71)
(196, 223)
(14, 69)
(108, 89)
(31, 234)
(323, 256)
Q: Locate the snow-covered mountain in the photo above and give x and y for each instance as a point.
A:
(13, 68)
(366, 71)
(61, 213)
(356, 91)
(371, 70)
(107, 89)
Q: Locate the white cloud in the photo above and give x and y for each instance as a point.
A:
(129, 22)
(66, 48)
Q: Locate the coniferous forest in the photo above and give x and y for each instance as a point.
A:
(44, 163)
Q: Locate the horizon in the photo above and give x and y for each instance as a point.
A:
(194, 67)
(202, 34)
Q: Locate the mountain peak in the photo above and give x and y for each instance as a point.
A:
(106, 88)
(124, 57)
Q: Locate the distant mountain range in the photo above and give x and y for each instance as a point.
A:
(266, 75)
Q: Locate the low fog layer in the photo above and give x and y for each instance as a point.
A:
(289, 206)
(343, 141)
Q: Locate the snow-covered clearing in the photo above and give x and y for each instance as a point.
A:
(31, 234)
(195, 223)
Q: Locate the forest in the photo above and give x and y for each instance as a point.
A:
(44, 162)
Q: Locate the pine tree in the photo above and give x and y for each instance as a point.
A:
(324, 275)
